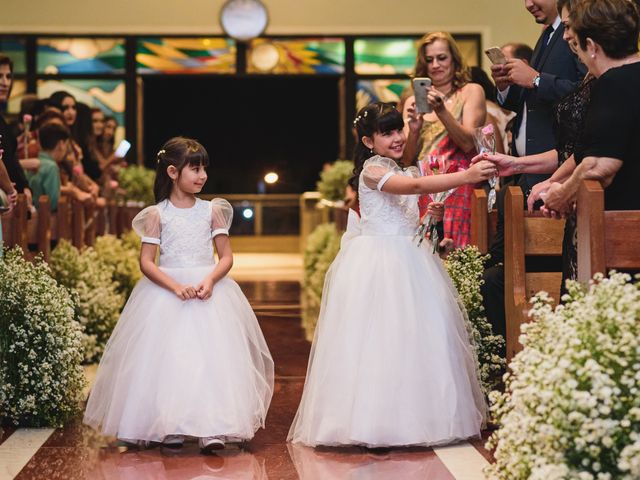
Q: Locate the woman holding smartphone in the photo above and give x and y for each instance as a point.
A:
(458, 107)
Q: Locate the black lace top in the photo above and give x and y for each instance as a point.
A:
(569, 119)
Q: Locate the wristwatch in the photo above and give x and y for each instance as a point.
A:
(536, 81)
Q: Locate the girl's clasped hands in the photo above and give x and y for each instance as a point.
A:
(202, 291)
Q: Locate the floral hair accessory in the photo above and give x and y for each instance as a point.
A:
(161, 152)
(364, 115)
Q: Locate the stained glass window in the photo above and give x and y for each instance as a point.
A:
(108, 95)
(81, 55)
(388, 56)
(186, 55)
(311, 56)
(14, 48)
(379, 90)
(384, 55)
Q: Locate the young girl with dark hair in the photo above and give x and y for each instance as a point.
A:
(187, 357)
(391, 363)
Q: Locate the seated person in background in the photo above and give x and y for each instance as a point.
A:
(54, 142)
(518, 50)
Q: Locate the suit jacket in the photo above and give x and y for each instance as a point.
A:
(560, 73)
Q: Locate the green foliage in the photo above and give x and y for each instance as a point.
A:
(334, 180)
(322, 247)
(41, 379)
(90, 281)
(137, 182)
(465, 267)
(122, 256)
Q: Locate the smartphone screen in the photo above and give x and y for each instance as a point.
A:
(122, 149)
(420, 87)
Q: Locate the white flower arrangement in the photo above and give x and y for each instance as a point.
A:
(98, 303)
(571, 409)
(465, 267)
(41, 379)
(122, 255)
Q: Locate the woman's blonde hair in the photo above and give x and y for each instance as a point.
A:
(461, 74)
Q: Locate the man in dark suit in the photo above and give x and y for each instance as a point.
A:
(530, 90)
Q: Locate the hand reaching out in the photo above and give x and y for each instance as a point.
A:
(506, 164)
(480, 171)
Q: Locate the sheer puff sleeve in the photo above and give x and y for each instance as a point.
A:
(221, 217)
(377, 170)
(147, 225)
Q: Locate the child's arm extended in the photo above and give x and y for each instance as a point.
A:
(157, 276)
(402, 185)
(225, 262)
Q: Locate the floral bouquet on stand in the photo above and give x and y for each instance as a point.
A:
(432, 165)
(485, 140)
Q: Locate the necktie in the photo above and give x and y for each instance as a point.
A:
(546, 36)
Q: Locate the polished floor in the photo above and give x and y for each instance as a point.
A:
(77, 452)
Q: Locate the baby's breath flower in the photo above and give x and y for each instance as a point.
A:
(571, 408)
(41, 379)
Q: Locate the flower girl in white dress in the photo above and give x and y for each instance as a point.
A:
(187, 357)
(391, 363)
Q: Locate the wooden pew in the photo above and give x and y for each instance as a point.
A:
(62, 225)
(606, 239)
(14, 225)
(526, 235)
(483, 222)
(41, 227)
(112, 215)
(78, 224)
(43, 219)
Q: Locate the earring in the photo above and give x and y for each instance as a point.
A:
(593, 55)
(371, 151)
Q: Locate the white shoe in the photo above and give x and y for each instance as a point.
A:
(173, 441)
(209, 444)
(140, 444)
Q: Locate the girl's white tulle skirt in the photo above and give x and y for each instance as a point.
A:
(197, 368)
(391, 363)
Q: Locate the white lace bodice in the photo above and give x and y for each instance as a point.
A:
(385, 213)
(184, 234)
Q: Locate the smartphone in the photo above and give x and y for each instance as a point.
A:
(420, 87)
(122, 149)
(495, 55)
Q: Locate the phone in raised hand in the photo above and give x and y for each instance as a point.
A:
(496, 56)
(420, 87)
(122, 149)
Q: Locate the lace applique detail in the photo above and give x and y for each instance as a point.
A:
(185, 239)
(385, 213)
